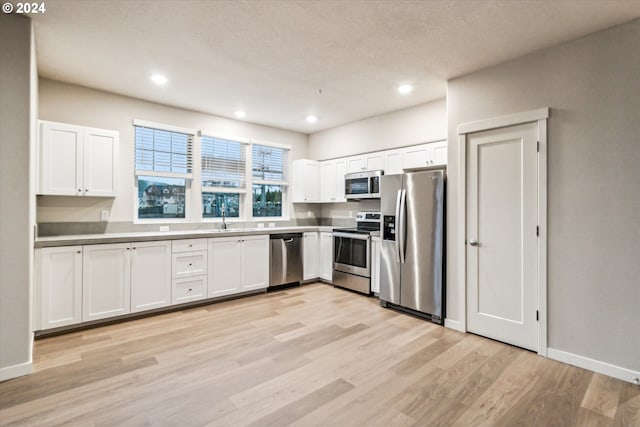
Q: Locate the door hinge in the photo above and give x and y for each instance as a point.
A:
(537, 316)
(537, 230)
(538, 146)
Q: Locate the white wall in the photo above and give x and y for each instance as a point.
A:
(17, 77)
(415, 125)
(80, 105)
(593, 89)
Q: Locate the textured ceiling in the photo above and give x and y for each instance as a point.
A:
(270, 58)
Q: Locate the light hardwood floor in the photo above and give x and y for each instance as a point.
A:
(307, 356)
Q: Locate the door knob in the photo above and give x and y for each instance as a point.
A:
(473, 242)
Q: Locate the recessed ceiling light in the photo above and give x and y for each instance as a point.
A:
(159, 79)
(405, 89)
(240, 114)
(312, 119)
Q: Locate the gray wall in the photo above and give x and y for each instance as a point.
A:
(410, 126)
(592, 86)
(74, 104)
(17, 71)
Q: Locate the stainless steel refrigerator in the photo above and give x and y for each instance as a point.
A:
(412, 244)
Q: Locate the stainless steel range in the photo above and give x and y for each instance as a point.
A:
(352, 253)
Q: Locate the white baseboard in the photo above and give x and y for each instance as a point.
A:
(604, 368)
(16, 371)
(454, 324)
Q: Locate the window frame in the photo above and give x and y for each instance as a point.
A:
(285, 183)
(188, 177)
(243, 194)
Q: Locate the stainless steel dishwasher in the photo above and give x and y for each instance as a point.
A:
(285, 259)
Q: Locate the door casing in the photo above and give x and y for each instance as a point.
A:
(540, 116)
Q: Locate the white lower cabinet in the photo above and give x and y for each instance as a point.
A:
(326, 256)
(255, 262)
(238, 264)
(59, 280)
(310, 255)
(150, 275)
(106, 280)
(123, 278)
(189, 266)
(224, 266)
(375, 264)
(188, 289)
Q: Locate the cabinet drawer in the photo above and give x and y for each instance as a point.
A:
(189, 289)
(189, 264)
(188, 245)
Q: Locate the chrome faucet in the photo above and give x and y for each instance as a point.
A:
(224, 223)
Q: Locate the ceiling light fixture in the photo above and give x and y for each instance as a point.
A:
(312, 119)
(405, 89)
(240, 114)
(159, 79)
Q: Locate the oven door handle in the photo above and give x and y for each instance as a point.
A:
(351, 235)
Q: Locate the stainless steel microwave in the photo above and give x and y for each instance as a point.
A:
(362, 185)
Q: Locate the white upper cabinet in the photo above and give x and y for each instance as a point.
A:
(439, 153)
(365, 162)
(324, 181)
(77, 161)
(328, 181)
(100, 156)
(305, 181)
(332, 180)
(393, 162)
(424, 155)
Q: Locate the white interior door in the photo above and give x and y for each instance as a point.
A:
(502, 262)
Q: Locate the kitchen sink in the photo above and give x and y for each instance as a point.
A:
(230, 230)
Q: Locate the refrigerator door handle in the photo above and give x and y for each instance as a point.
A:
(397, 225)
(401, 225)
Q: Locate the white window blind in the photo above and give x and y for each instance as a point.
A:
(163, 151)
(223, 163)
(269, 163)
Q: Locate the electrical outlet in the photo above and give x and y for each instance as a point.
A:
(272, 224)
(104, 215)
(164, 228)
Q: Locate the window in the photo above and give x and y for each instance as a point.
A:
(223, 176)
(160, 197)
(213, 205)
(163, 169)
(269, 172)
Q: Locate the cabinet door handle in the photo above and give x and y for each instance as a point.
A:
(86, 190)
(79, 252)
(190, 289)
(190, 265)
(79, 190)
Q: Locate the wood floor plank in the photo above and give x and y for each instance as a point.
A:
(603, 395)
(308, 356)
(628, 413)
(297, 409)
